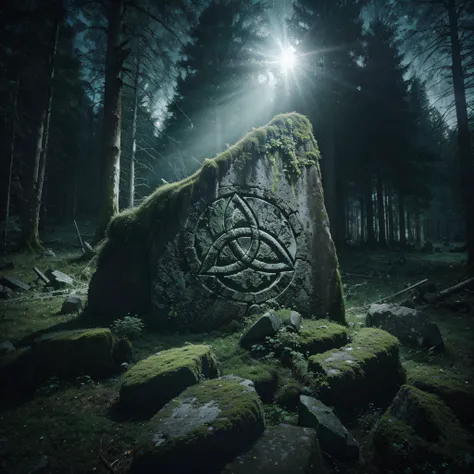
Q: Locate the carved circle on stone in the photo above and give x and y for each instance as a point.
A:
(243, 248)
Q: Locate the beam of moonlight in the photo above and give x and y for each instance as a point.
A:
(287, 58)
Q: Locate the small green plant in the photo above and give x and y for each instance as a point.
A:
(129, 326)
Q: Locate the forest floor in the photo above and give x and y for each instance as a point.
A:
(72, 427)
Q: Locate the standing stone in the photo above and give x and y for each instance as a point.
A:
(245, 233)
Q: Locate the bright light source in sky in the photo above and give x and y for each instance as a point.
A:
(287, 58)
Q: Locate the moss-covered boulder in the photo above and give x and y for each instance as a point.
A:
(75, 352)
(201, 430)
(282, 449)
(419, 433)
(265, 326)
(248, 231)
(154, 381)
(365, 370)
(315, 336)
(288, 395)
(455, 390)
(264, 377)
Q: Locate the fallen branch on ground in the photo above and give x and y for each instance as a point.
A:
(401, 292)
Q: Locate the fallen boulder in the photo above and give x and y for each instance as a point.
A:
(290, 319)
(315, 336)
(368, 369)
(282, 449)
(6, 347)
(333, 436)
(5, 292)
(14, 283)
(419, 433)
(456, 391)
(72, 304)
(201, 430)
(154, 381)
(58, 279)
(409, 325)
(267, 325)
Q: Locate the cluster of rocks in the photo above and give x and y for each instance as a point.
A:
(94, 352)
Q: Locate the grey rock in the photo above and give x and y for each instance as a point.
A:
(293, 321)
(49, 253)
(249, 230)
(201, 430)
(283, 449)
(408, 304)
(6, 347)
(14, 283)
(5, 292)
(59, 279)
(268, 325)
(332, 434)
(410, 326)
(72, 304)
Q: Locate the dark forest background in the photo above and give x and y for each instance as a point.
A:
(102, 101)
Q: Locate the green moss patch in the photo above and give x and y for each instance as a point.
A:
(316, 335)
(419, 432)
(72, 353)
(365, 370)
(154, 381)
(201, 430)
(453, 389)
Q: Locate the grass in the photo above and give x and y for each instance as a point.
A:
(73, 423)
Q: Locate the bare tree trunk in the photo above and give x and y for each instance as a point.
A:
(131, 190)
(362, 218)
(370, 214)
(391, 233)
(463, 127)
(112, 118)
(381, 212)
(12, 158)
(401, 218)
(30, 222)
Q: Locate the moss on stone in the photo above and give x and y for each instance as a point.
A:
(72, 353)
(452, 388)
(264, 377)
(232, 419)
(426, 438)
(365, 370)
(315, 336)
(154, 381)
(288, 395)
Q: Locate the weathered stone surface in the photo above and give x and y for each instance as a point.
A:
(75, 352)
(154, 381)
(5, 292)
(246, 233)
(456, 391)
(49, 253)
(420, 433)
(333, 436)
(72, 304)
(367, 369)
(267, 325)
(14, 283)
(6, 347)
(282, 449)
(59, 279)
(315, 336)
(408, 325)
(201, 430)
(291, 319)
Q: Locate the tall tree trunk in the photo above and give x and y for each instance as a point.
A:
(391, 233)
(12, 157)
(463, 127)
(381, 212)
(370, 215)
(401, 218)
(110, 172)
(30, 221)
(131, 190)
(362, 218)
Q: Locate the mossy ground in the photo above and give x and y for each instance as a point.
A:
(73, 422)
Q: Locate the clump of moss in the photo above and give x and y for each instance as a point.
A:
(288, 395)
(366, 370)
(154, 381)
(230, 419)
(316, 335)
(419, 432)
